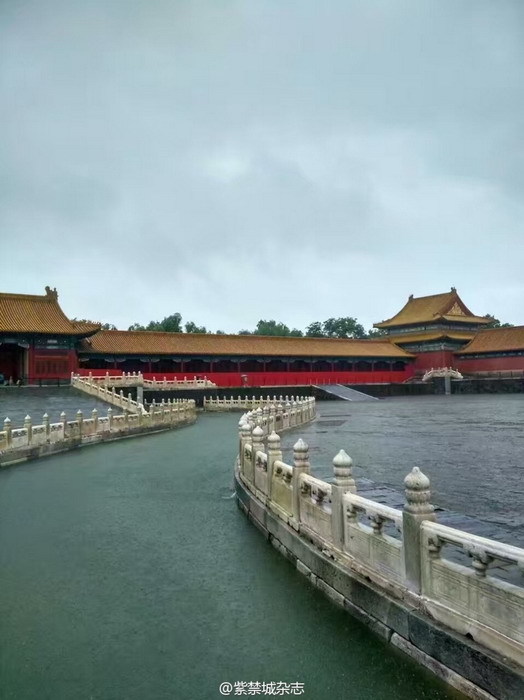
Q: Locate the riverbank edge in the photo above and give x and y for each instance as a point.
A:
(456, 660)
(27, 454)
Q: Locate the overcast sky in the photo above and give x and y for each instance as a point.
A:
(287, 159)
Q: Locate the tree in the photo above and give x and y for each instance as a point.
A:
(495, 323)
(103, 326)
(193, 328)
(220, 333)
(344, 327)
(275, 328)
(314, 330)
(170, 324)
(376, 333)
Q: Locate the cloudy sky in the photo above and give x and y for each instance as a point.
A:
(237, 160)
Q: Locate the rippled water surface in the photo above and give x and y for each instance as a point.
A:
(471, 447)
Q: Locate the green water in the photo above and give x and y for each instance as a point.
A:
(127, 572)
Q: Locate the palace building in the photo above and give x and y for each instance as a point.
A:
(39, 344)
(433, 328)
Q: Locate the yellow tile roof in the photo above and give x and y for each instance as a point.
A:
(448, 307)
(27, 313)
(158, 343)
(496, 340)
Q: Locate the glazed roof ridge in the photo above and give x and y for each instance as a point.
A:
(431, 308)
(169, 343)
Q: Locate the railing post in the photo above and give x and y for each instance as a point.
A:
(45, 423)
(9, 431)
(265, 419)
(245, 437)
(110, 417)
(301, 466)
(29, 427)
(80, 421)
(274, 454)
(342, 483)
(416, 509)
(94, 416)
(63, 419)
(258, 446)
(272, 413)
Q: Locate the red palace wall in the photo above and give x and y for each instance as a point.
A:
(48, 365)
(256, 379)
(489, 364)
(433, 360)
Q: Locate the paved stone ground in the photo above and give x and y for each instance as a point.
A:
(17, 402)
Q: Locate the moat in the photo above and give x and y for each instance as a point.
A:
(127, 570)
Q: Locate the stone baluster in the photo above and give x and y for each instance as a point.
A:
(272, 414)
(245, 438)
(45, 423)
(80, 421)
(342, 483)
(257, 441)
(8, 431)
(265, 419)
(29, 427)
(286, 415)
(301, 466)
(63, 420)
(274, 454)
(416, 509)
(247, 463)
(110, 418)
(94, 416)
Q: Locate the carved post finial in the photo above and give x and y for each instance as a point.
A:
(417, 493)
(301, 454)
(343, 469)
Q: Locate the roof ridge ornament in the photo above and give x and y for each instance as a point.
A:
(51, 293)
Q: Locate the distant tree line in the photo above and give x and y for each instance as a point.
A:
(344, 327)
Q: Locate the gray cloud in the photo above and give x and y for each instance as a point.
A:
(251, 159)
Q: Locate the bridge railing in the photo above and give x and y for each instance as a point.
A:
(248, 403)
(92, 428)
(134, 379)
(96, 388)
(403, 552)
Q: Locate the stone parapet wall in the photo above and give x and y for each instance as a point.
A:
(401, 555)
(135, 379)
(275, 404)
(33, 441)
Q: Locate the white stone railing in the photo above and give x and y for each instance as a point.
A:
(247, 403)
(446, 372)
(134, 379)
(96, 388)
(170, 384)
(93, 428)
(403, 552)
(468, 598)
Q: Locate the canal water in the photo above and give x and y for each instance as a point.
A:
(128, 573)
